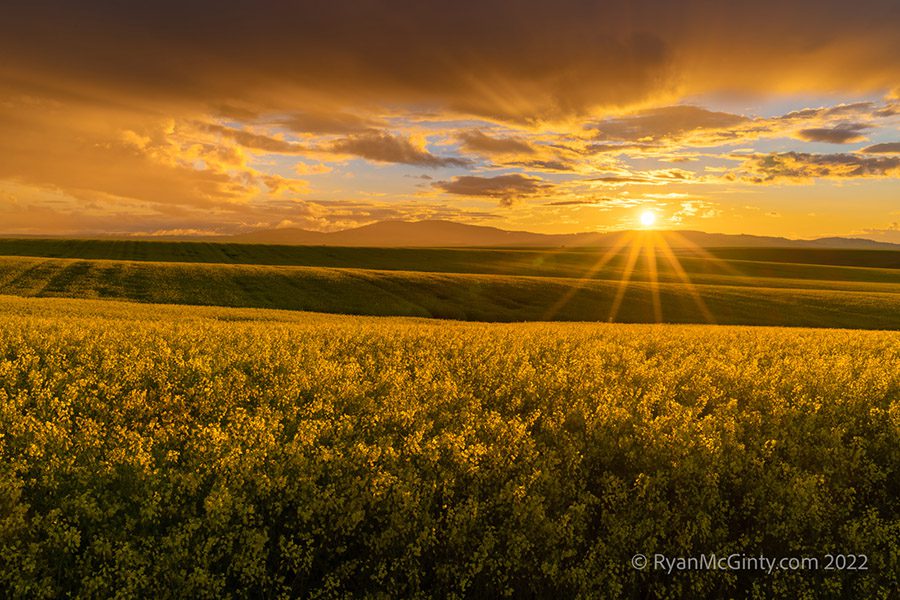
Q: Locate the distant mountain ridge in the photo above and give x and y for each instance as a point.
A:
(436, 233)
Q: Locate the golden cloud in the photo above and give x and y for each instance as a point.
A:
(320, 122)
(800, 166)
(667, 123)
(654, 177)
(255, 141)
(177, 106)
(479, 142)
(384, 147)
(505, 188)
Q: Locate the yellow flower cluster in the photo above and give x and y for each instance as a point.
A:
(164, 451)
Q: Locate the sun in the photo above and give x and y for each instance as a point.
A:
(648, 218)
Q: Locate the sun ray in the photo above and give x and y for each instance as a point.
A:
(705, 254)
(588, 276)
(653, 276)
(652, 245)
(686, 280)
(626, 276)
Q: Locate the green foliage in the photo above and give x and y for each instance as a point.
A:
(851, 302)
(787, 263)
(153, 451)
(741, 286)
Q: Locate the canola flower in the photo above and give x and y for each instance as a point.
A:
(166, 451)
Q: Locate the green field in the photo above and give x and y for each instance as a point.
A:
(506, 261)
(152, 451)
(851, 289)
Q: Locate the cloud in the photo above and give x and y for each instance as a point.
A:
(538, 62)
(65, 215)
(856, 109)
(378, 146)
(277, 185)
(183, 108)
(844, 133)
(617, 148)
(302, 168)
(884, 148)
(517, 151)
(666, 123)
(323, 122)
(799, 166)
(546, 165)
(654, 177)
(479, 142)
(580, 202)
(506, 188)
(256, 141)
(840, 110)
(693, 209)
(890, 234)
(660, 132)
(92, 154)
(385, 147)
(613, 179)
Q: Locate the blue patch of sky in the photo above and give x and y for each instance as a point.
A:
(776, 106)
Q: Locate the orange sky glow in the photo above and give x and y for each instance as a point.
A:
(202, 118)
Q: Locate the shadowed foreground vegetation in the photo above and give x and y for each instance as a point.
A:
(853, 302)
(154, 451)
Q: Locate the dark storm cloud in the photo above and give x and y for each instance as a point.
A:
(522, 61)
(268, 56)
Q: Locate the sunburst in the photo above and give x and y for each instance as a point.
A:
(653, 245)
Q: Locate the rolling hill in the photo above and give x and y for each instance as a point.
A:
(444, 234)
(802, 286)
(712, 298)
(436, 233)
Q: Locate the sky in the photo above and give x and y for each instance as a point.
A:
(208, 118)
